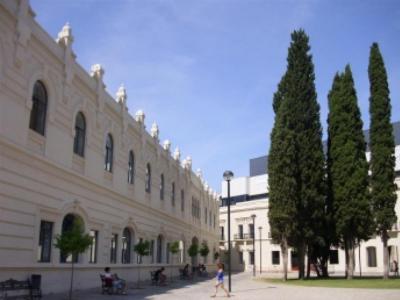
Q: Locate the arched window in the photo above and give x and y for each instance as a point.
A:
(126, 246)
(39, 108)
(173, 194)
(162, 185)
(182, 200)
(131, 167)
(80, 134)
(160, 242)
(69, 222)
(109, 154)
(148, 178)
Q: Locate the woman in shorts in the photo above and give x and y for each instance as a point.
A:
(220, 280)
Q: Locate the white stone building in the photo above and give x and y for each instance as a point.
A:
(70, 150)
(250, 196)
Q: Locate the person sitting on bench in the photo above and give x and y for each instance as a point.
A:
(160, 277)
(117, 283)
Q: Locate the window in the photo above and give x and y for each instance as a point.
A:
(214, 221)
(37, 120)
(195, 208)
(109, 154)
(160, 242)
(114, 248)
(80, 134)
(251, 257)
(45, 238)
(168, 245)
(67, 225)
(221, 229)
(333, 257)
(126, 246)
(241, 257)
(371, 256)
(251, 230)
(240, 231)
(276, 259)
(131, 168)
(148, 179)
(173, 194)
(210, 219)
(182, 200)
(205, 215)
(162, 185)
(151, 252)
(93, 246)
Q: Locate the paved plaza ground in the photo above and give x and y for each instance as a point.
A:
(243, 287)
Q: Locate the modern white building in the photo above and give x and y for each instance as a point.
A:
(249, 195)
(70, 150)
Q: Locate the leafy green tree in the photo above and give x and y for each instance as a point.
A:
(296, 159)
(173, 248)
(383, 188)
(204, 250)
(73, 242)
(142, 248)
(193, 250)
(347, 167)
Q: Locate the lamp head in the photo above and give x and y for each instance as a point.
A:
(228, 175)
(253, 216)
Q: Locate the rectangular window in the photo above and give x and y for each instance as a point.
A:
(251, 257)
(113, 249)
(251, 231)
(182, 200)
(152, 252)
(168, 245)
(276, 259)
(205, 215)
(93, 246)
(371, 256)
(241, 257)
(222, 237)
(333, 257)
(45, 238)
(240, 232)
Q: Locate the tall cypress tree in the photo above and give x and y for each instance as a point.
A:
(299, 155)
(281, 174)
(383, 188)
(347, 167)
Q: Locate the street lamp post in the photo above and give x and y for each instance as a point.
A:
(254, 249)
(228, 175)
(260, 228)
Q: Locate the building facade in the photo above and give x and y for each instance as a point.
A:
(69, 150)
(249, 196)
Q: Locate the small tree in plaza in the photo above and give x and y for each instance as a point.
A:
(383, 188)
(142, 248)
(173, 248)
(73, 242)
(204, 250)
(193, 250)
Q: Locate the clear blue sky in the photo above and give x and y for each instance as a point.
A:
(206, 71)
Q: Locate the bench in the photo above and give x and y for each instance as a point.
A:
(153, 278)
(106, 285)
(12, 286)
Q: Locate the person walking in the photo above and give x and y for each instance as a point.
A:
(220, 281)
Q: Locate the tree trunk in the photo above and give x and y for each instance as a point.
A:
(309, 264)
(72, 279)
(284, 249)
(385, 255)
(301, 254)
(349, 248)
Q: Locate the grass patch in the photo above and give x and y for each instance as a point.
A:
(340, 282)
